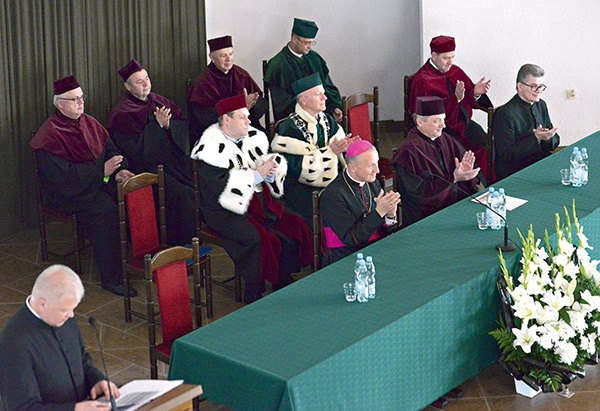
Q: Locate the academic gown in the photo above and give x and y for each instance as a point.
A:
(516, 144)
(71, 181)
(429, 81)
(285, 68)
(43, 367)
(211, 86)
(304, 141)
(417, 158)
(137, 134)
(265, 241)
(349, 219)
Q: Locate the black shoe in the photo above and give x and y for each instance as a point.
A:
(118, 290)
(250, 297)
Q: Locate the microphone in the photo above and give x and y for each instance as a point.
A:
(505, 246)
(113, 404)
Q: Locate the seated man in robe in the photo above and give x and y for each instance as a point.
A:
(239, 182)
(428, 166)
(522, 127)
(313, 143)
(148, 130)
(76, 163)
(354, 209)
(440, 77)
(45, 364)
(295, 61)
(219, 80)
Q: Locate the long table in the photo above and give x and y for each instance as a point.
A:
(305, 348)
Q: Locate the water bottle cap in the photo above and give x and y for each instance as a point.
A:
(359, 256)
(491, 189)
(575, 149)
(369, 259)
(496, 194)
(501, 190)
(583, 150)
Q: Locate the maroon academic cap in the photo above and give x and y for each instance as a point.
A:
(132, 67)
(442, 44)
(429, 106)
(227, 105)
(220, 43)
(65, 84)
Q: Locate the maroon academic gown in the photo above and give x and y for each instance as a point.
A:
(429, 81)
(71, 156)
(417, 158)
(211, 86)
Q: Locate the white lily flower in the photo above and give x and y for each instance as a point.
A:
(525, 337)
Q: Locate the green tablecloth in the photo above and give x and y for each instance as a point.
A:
(305, 348)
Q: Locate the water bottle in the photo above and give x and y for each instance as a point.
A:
(575, 169)
(489, 216)
(359, 258)
(584, 166)
(495, 224)
(502, 206)
(370, 276)
(360, 283)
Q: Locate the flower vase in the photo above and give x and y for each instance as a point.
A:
(526, 390)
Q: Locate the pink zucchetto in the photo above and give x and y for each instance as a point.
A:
(358, 147)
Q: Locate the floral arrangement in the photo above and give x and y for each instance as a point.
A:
(551, 323)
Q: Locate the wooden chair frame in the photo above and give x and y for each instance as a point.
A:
(45, 212)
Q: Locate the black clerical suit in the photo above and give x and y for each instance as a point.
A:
(43, 367)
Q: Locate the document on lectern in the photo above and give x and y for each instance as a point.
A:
(138, 393)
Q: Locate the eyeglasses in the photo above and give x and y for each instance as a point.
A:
(306, 42)
(535, 87)
(75, 99)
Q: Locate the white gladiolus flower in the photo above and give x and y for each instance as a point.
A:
(565, 247)
(583, 240)
(525, 337)
(577, 318)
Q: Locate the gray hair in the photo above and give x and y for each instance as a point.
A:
(529, 70)
(56, 282)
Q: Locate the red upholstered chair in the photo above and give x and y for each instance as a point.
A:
(166, 274)
(357, 120)
(137, 216)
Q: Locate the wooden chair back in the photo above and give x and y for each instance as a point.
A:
(166, 274)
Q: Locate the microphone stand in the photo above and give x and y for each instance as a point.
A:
(113, 404)
(505, 246)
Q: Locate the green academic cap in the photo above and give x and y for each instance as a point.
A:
(304, 28)
(306, 83)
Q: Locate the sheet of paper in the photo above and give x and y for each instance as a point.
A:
(154, 387)
(511, 202)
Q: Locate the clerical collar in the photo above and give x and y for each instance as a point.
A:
(432, 139)
(360, 183)
(293, 52)
(435, 67)
(233, 140)
(31, 308)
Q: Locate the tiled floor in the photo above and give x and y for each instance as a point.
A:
(126, 349)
